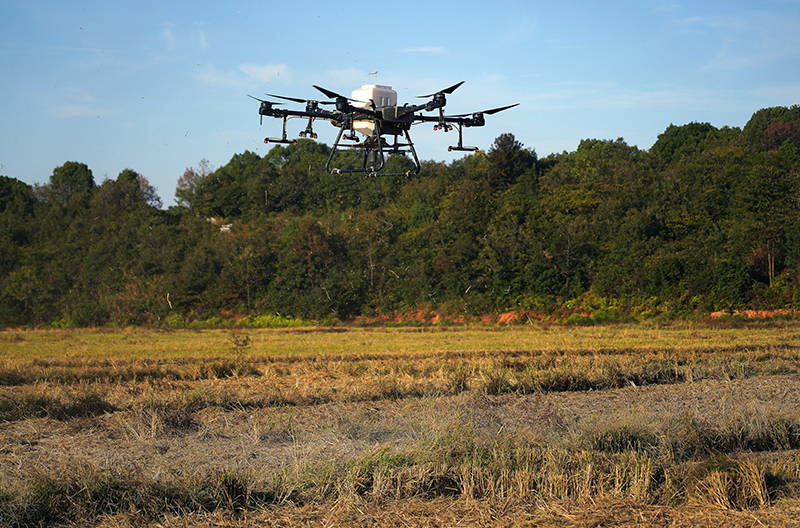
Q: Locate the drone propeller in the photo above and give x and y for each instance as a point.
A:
(298, 100)
(328, 93)
(495, 110)
(334, 95)
(440, 92)
(266, 108)
(263, 101)
(488, 112)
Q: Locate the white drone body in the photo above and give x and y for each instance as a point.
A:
(371, 96)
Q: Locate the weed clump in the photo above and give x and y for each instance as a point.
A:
(36, 405)
(83, 491)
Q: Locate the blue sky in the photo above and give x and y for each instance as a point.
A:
(158, 86)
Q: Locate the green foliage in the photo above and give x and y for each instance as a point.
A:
(272, 321)
(606, 314)
(677, 142)
(766, 119)
(579, 320)
(507, 161)
(70, 179)
(706, 220)
(12, 190)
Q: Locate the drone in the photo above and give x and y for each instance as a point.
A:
(372, 112)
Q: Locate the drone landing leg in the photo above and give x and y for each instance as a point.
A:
(413, 153)
(334, 148)
(373, 149)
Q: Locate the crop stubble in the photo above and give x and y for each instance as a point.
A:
(523, 425)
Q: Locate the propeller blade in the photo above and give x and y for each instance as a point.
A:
(334, 95)
(262, 100)
(489, 112)
(495, 110)
(295, 99)
(447, 91)
(328, 93)
(298, 100)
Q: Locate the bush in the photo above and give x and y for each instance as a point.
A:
(579, 320)
(606, 314)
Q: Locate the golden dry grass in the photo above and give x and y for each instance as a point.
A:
(140, 344)
(472, 426)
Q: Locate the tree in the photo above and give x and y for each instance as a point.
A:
(507, 161)
(765, 198)
(12, 189)
(302, 185)
(141, 187)
(762, 120)
(463, 218)
(311, 277)
(187, 184)
(779, 133)
(223, 193)
(676, 142)
(70, 179)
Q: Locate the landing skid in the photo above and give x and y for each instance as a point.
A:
(373, 148)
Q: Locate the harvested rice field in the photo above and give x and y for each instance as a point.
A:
(525, 425)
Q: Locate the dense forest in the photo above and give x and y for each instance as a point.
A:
(706, 220)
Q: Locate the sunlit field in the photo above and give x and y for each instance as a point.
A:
(691, 424)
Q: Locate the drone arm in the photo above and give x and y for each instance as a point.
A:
(467, 120)
(456, 120)
(437, 102)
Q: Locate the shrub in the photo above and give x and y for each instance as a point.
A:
(579, 320)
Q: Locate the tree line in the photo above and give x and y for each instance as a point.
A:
(706, 219)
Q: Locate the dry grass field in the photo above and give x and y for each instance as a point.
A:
(526, 425)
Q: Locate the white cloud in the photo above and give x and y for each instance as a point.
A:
(211, 75)
(168, 37)
(608, 95)
(80, 96)
(748, 40)
(666, 8)
(246, 76)
(78, 110)
(199, 36)
(79, 103)
(267, 73)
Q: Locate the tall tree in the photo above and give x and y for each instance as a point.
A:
(69, 179)
(507, 161)
(140, 186)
